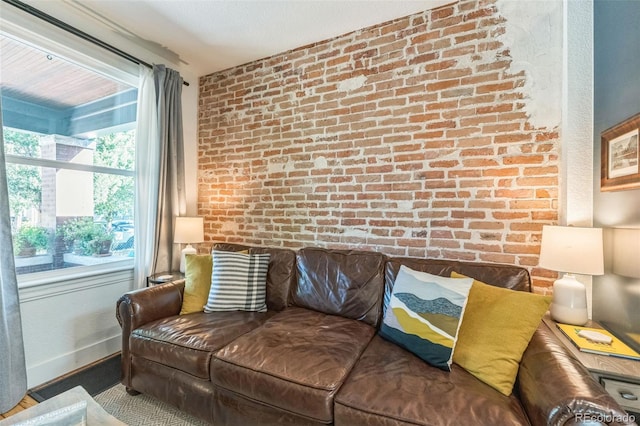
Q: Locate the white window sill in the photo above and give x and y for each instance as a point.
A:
(68, 274)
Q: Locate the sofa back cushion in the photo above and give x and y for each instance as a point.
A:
(506, 276)
(340, 282)
(281, 274)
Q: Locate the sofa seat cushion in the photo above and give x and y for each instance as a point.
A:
(296, 361)
(389, 385)
(187, 342)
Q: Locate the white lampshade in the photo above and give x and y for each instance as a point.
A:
(571, 250)
(626, 252)
(188, 230)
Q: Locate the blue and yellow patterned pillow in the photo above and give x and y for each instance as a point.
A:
(424, 314)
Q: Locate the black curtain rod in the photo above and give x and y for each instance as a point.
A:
(73, 30)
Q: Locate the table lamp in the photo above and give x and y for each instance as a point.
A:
(188, 230)
(571, 250)
(626, 252)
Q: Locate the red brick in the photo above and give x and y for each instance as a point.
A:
(461, 28)
(480, 13)
(497, 258)
(443, 12)
(421, 38)
(513, 171)
(440, 85)
(497, 87)
(441, 65)
(524, 159)
(461, 133)
(428, 150)
(459, 51)
(512, 137)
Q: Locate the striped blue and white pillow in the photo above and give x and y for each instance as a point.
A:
(238, 282)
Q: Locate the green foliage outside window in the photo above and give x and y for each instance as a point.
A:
(25, 183)
(30, 239)
(113, 194)
(85, 237)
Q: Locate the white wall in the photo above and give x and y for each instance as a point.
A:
(577, 153)
(577, 120)
(70, 321)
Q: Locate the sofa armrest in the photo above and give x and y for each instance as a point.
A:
(139, 307)
(144, 305)
(556, 389)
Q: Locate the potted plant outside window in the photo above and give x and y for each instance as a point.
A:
(84, 237)
(30, 239)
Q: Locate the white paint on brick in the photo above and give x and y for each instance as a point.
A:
(280, 165)
(320, 163)
(514, 150)
(405, 205)
(352, 83)
(534, 38)
(355, 232)
(226, 227)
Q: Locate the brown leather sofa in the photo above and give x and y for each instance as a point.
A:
(315, 358)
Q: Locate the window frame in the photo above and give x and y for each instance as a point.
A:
(27, 29)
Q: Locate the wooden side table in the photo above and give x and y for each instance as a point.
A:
(164, 277)
(619, 376)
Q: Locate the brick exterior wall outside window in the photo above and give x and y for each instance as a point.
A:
(409, 137)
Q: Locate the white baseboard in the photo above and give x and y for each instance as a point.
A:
(61, 365)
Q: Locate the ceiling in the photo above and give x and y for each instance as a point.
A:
(205, 35)
(211, 35)
(47, 81)
(44, 93)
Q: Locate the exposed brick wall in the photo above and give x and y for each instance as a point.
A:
(408, 137)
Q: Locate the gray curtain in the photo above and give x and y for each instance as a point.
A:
(13, 373)
(171, 191)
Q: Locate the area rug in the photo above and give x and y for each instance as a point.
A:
(142, 410)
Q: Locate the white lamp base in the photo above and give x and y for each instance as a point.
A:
(189, 249)
(569, 304)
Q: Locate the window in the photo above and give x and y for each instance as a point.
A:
(69, 136)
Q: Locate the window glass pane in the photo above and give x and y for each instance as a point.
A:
(69, 134)
(65, 218)
(21, 143)
(115, 150)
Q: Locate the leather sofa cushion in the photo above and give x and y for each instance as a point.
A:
(296, 361)
(389, 385)
(340, 282)
(506, 276)
(187, 342)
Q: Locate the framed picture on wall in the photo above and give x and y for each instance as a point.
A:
(620, 156)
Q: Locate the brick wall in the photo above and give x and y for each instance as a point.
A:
(409, 137)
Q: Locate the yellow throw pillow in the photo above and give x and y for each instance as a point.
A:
(454, 274)
(496, 328)
(197, 282)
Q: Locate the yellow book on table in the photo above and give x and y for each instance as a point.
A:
(615, 348)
